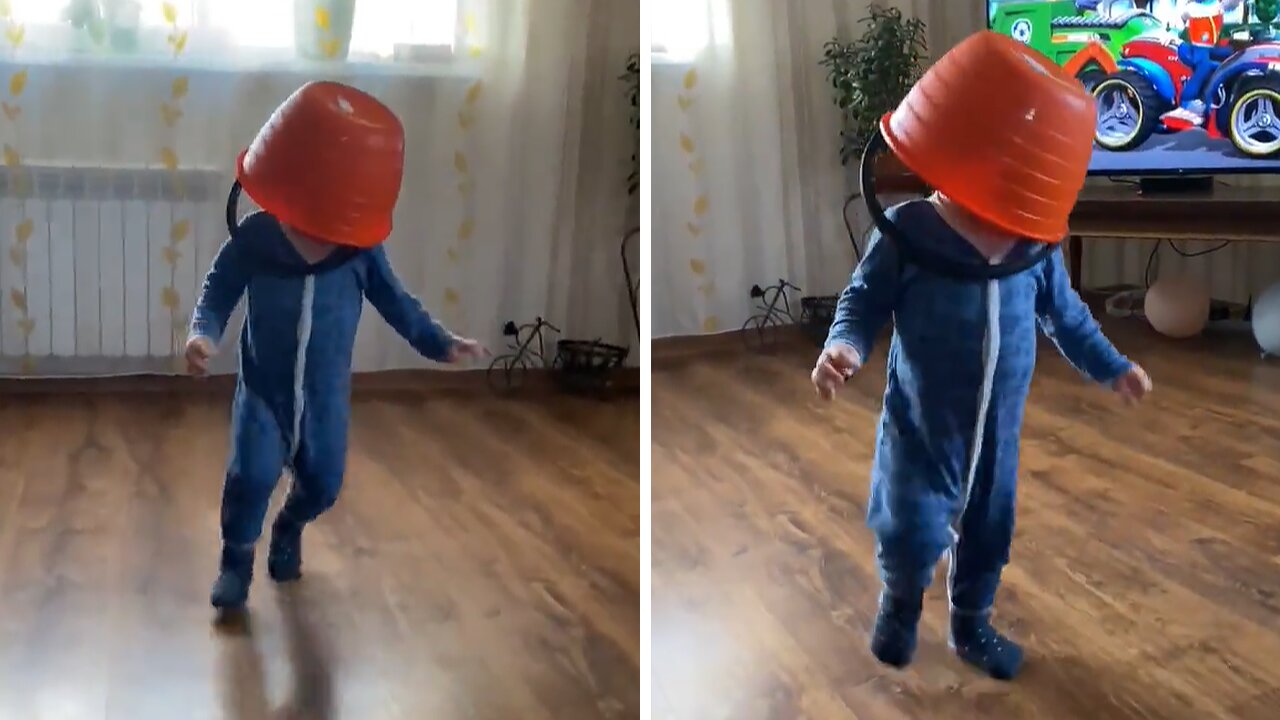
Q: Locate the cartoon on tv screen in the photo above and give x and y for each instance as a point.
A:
(1181, 85)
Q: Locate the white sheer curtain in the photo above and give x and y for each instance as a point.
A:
(118, 152)
(747, 184)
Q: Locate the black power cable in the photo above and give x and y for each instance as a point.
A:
(1151, 259)
(848, 227)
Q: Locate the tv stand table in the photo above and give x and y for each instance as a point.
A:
(1121, 213)
(1117, 211)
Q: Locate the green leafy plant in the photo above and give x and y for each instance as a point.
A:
(872, 74)
(632, 80)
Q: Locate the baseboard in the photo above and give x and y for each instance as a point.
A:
(626, 382)
(684, 346)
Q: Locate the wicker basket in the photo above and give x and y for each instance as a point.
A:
(816, 316)
(587, 366)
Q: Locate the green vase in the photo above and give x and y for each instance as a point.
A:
(322, 28)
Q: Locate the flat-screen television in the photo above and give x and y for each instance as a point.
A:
(1183, 87)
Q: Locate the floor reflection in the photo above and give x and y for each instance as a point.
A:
(245, 684)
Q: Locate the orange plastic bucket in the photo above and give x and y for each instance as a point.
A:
(1000, 130)
(328, 162)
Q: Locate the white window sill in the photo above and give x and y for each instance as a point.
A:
(455, 68)
(660, 56)
(211, 52)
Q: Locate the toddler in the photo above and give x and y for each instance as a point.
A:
(326, 170)
(967, 275)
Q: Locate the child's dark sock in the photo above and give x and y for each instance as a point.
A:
(893, 639)
(284, 560)
(235, 573)
(978, 644)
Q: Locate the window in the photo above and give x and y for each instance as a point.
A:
(681, 29)
(222, 32)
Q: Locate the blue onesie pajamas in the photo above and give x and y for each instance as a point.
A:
(946, 458)
(292, 400)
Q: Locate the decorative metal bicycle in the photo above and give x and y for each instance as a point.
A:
(761, 331)
(528, 350)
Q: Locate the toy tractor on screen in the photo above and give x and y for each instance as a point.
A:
(1128, 58)
(1242, 97)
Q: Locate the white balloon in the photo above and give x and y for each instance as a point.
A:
(1177, 306)
(1266, 320)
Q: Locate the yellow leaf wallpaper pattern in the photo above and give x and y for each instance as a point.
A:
(465, 229)
(455, 252)
(171, 114)
(15, 35)
(179, 231)
(473, 94)
(700, 203)
(471, 39)
(11, 154)
(330, 46)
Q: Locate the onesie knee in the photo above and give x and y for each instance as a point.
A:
(907, 561)
(312, 497)
(326, 495)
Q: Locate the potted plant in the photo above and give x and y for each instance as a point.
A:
(322, 28)
(869, 76)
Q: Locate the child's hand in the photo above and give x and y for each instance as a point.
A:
(462, 348)
(835, 365)
(1133, 385)
(199, 352)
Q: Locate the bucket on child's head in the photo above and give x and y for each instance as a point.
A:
(328, 162)
(1001, 131)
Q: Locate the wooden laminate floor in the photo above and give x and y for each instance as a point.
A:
(481, 563)
(1145, 580)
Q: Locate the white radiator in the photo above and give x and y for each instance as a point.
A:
(101, 265)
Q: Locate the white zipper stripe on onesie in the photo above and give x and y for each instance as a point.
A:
(990, 354)
(300, 364)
